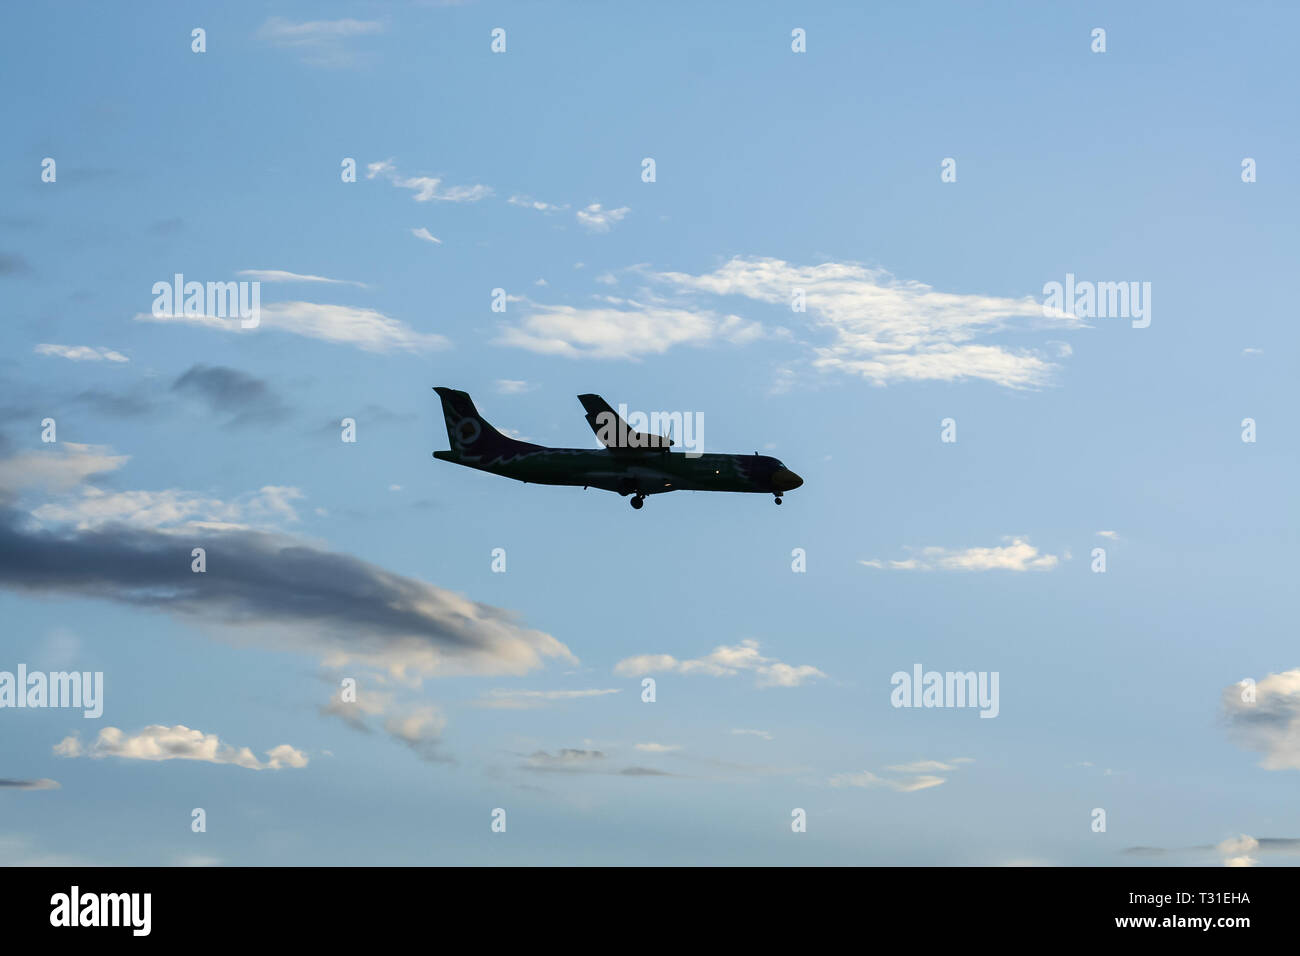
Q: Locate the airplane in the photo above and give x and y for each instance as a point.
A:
(631, 463)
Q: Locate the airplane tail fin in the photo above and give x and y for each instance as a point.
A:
(469, 433)
(614, 432)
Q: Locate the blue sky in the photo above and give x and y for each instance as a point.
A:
(521, 690)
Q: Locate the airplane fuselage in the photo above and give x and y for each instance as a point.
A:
(644, 473)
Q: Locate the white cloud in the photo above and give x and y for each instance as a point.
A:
(319, 42)
(596, 219)
(157, 742)
(58, 466)
(1113, 535)
(1270, 723)
(922, 766)
(277, 275)
(510, 386)
(623, 329)
(868, 780)
(367, 703)
(80, 353)
(366, 329)
(653, 748)
(527, 699)
(172, 509)
(753, 733)
(1018, 555)
(919, 775)
(723, 661)
(536, 204)
(426, 188)
(889, 330)
(1236, 851)
(568, 759)
(417, 727)
(423, 233)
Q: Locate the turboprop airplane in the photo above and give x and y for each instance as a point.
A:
(631, 463)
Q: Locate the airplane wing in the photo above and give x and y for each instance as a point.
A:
(616, 434)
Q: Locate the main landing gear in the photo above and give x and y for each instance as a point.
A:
(778, 499)
(638, 501)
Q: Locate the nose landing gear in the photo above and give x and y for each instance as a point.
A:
(778, 499)
(638, 501)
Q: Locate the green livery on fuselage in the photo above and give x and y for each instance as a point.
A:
(632, 463)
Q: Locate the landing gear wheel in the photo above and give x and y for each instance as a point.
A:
(778, 499)
(637, 502)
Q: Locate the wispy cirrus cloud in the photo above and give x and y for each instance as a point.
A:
(80, 353)
(503, 699)
(595, 218)
(366, 329)
(510, 386)
(426, 188)
(889, 330)
(42, 783)
(723, 661)
(324, 43)
(527, 202)
(1017, 555)
(854, 320)
(908, 778)
(571, 760)
(277, 275)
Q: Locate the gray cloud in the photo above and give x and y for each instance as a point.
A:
(315, 600)
(228, 391)
(1238, 851)
(131, 403)
(44, 783)
(12, 264)
(1264, 716)
(567, 760)
(369, 416)
(570, 760)
(420, 729)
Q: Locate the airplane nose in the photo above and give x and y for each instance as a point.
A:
(783, 479)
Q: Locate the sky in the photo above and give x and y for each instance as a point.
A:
(918, 175)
